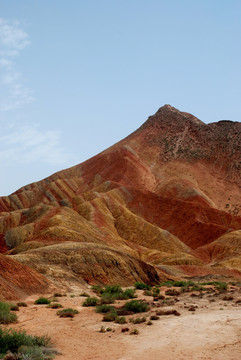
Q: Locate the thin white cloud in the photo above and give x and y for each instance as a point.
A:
(29, 144)
(13, 93)
(12, 38)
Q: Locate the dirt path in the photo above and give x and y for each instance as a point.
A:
(212, 332)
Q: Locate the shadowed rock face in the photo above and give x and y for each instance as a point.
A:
(168, 194)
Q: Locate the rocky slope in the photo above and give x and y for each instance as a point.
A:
(167, 196)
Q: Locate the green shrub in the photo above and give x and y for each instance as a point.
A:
(127, 294)
(120, 320)
(136, 306)
(112, 289)
(141, 286)
(13, 307)
(138, 320)
(114, 292)
(148, 293)
(96, 289)
(172, 292)
(54, 306)
(6, 317)
(13, 340)
(108, 298)
(43, 340)
(181, 283)
(221, 286)
(218, 284)
(69, 312)
(103, 309)
(168, 312)
(42, 300)
(134, 332)
(21, 303)
(197, 288)
(110, 316)
(155, 291)
(32, 352)
(90, 301)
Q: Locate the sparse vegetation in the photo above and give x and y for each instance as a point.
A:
(59, 294)
(112, 289)
(54, 306)
(107, 298)
(42, 301)
(90, 301)
(103, 309)
(69, 312)
(22, 304)
(134, 332)
(102, 329)
(120, 320)
(138, 320)
(168, 312)
(25, 346)
(172, 292)
(96, 289)
(6, 316)
(197, 288)
(127, 294)
(110, 293)
(142, 286)
(136, 306)
(110, 316)
(220, 286)
(181, 283)
(13, 307)
(148, 293)
(125, 329)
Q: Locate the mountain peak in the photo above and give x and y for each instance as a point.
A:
(168, 115)
(175, 114)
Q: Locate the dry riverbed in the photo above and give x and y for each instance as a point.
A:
(208, 327)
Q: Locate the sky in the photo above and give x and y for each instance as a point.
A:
(77, 76)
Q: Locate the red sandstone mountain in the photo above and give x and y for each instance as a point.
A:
(165, 200)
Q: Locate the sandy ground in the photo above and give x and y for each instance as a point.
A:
(211, 332)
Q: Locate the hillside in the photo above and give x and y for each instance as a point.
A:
(165, 201)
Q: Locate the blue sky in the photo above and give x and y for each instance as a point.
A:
(77, 76)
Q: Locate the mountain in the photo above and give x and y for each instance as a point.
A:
(165, 201)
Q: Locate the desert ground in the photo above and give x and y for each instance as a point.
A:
(212, 330)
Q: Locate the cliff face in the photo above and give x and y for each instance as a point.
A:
(164, 195)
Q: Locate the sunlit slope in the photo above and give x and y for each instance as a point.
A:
(167, 195)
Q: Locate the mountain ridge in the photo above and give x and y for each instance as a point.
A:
(165, 195)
